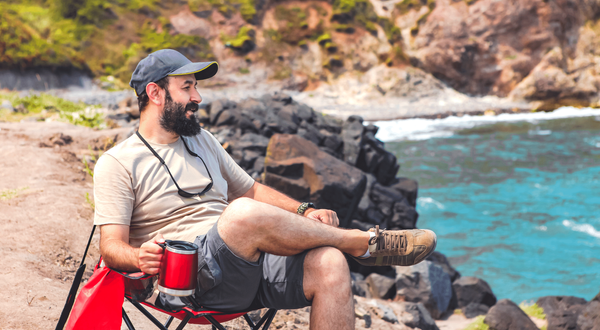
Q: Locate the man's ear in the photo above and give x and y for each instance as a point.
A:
(156, 95)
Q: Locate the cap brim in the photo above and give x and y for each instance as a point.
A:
(202, 70)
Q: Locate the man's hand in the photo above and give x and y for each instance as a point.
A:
(327, 217)
(150, 255)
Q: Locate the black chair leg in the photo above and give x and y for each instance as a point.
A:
(214, 323)
(249, 321)
(185, 321)
(270, 319)
(266, 319)
(147, 314)
(169, 320)
(127, 320)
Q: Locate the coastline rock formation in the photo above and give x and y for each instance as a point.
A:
(451, 53)
(334, 164)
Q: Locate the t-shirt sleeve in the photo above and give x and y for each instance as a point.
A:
(238, 181)
(113, 193)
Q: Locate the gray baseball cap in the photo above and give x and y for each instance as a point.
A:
(168, 62)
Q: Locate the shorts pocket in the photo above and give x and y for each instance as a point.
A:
(209, 272)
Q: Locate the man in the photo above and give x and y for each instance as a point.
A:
(261, 248)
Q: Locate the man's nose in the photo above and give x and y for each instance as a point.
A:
(195, 97)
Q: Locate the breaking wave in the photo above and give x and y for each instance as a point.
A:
(584, 228)
(422, 129)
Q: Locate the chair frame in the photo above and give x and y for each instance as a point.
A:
(196, 312)
(191, 312)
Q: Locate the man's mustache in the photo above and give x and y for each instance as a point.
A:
(193, 107)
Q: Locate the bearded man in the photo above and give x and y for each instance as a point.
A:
(260, 248)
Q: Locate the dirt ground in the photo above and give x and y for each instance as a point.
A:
(46, 219)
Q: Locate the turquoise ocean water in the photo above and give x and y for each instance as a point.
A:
(516, 203)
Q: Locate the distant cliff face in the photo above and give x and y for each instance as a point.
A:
(534, 50)
(529, 49)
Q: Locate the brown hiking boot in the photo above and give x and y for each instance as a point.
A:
(399, 247)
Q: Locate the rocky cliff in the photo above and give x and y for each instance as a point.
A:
(376, 51)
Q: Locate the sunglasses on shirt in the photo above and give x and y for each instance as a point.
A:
(180, 191)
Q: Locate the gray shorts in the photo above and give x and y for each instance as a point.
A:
(229, 283)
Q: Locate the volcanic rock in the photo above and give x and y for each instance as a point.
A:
(297, 166)
(381, 287)
(562, 312)
(426, 283)
(506, 315)
(589, 317)
(414, 315)
(473, 295)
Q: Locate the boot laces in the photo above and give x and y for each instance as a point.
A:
(389, 241)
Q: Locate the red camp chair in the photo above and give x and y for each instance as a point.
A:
(138, 287)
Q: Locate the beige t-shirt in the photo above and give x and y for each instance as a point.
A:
(132, 188)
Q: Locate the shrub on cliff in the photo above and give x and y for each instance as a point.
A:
(42, 106)
(246, 8)
(29, 38)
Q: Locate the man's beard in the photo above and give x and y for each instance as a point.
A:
(174, 119)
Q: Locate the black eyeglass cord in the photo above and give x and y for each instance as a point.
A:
(180, 191)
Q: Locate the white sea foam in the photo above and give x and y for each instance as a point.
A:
(420, 129)
(426, 201)
(584, 228)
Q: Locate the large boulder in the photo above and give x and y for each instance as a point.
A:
(381, 286)
(439, 259)
(555, 82)
(414, 315)
(589, 317)
(473, 295)
(396, 209)
(359, 285)
(506, 315)
(488, 46)
(562, 312)
(426, 283)
(300, 169)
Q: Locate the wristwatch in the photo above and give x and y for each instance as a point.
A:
(304, 206)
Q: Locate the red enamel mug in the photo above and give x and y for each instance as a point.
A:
(178, 268)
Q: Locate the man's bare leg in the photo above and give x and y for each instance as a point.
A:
(249, 227)
(327, 284)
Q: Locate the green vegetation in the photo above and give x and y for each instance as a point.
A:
(323, 39)
(86, 164)
(533, 311)
(415, 29)
(45, 105)
(392, 32)
(345, 28)
(225, 7)
(478, 324)
(104, 37)
(244, 70)
(89, 201)
(359, 12)
(295, 27)
(10, 193)
(29, 37)
(242, 42)
(406, 5)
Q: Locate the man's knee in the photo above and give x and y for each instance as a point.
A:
(329, 266)
(239, 211)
